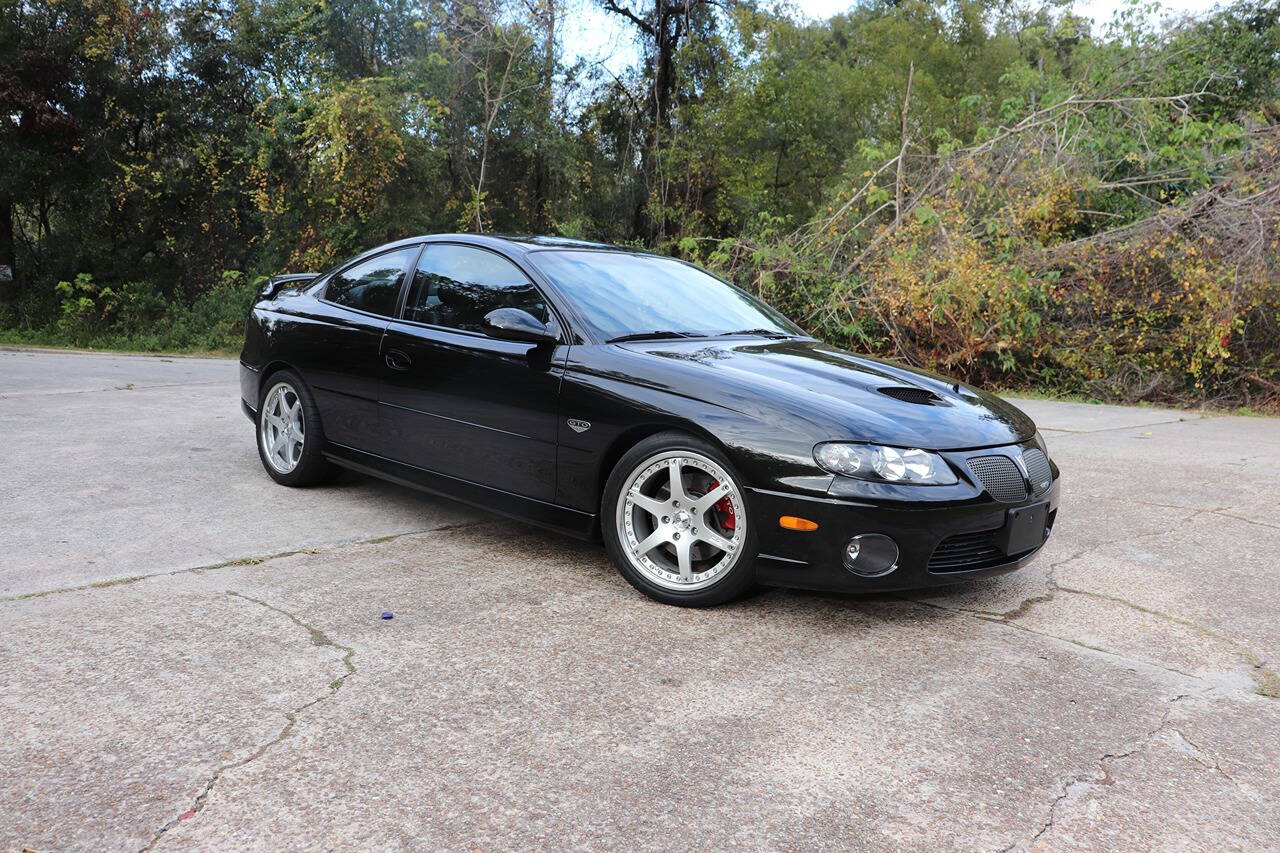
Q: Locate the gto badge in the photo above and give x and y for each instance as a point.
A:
(577, 425)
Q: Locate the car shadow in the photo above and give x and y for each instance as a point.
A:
(589, 561)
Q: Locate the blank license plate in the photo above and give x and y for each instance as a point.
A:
(1023, 528)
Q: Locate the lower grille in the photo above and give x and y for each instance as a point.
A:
(1000, 477)
(967, 552)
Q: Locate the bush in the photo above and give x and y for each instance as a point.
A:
(134, 316)
(1003, 269)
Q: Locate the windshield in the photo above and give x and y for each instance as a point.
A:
(621, 295)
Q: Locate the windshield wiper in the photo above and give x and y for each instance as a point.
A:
(764, 333)
(657, 334)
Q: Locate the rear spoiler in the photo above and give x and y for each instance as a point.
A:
(277, 282)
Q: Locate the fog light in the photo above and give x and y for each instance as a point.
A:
(871, 555)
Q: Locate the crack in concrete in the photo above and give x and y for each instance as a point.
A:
(997, 619)
(1246, 520)
(318, 638)
(1051, 580)
(128, 387)
(1212, 763)
(241, 561)
(1080, 785)
(1190, 418)
(1266, 682)
(1220, 511)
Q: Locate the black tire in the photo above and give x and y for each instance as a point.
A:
(736, 581)
(311, 468)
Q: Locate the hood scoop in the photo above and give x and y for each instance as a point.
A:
(908, 394)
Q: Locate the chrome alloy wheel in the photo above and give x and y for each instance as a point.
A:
(281, 427)
(681, 520)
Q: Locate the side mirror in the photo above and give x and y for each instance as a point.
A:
(513, 324)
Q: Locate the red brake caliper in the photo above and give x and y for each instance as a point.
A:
(724, 510)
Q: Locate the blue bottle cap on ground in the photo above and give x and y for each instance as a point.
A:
(387, 614)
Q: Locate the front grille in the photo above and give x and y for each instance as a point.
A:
(1038, 470)
(1000, 477)
(967, 552)
(908, 394)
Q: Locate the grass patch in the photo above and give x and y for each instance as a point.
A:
(108, 344)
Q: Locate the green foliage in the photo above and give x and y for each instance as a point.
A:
(134, 316)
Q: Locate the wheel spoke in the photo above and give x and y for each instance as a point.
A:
(653, 540)
(677, 481)
(714, 539)
(704, 503)
(653, 506)
(685, 558)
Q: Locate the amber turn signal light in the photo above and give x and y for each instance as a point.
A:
(790, 522)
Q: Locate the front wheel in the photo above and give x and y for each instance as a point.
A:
(290, 437)
(675, 523)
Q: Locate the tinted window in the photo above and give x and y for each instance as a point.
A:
(373, 285)
(455, 286)
(620, 294)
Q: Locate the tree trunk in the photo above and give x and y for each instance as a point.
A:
(899, 184)
(9, 277)
(667, 31)
(663, 28)
(542, 190)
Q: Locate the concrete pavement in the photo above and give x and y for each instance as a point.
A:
(127, 465)
(1120, 692)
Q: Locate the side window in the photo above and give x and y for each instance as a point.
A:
(372, 286)
(455, 286)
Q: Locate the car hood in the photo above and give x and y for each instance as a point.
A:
(848, 395)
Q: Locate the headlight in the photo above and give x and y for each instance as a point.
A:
(884, 464)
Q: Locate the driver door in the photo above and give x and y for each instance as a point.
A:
(458, 402)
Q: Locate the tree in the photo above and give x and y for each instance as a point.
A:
(497, 56)
(665, 27)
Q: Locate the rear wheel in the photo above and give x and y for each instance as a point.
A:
(675, 522)
(290, 437)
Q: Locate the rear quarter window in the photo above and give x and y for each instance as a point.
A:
(372, 285)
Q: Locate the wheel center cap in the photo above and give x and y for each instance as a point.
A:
(683, 520)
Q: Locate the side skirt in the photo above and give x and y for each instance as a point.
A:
(581, 525)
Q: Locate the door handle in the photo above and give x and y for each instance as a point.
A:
(398, 360)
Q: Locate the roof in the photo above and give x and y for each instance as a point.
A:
(519, 243)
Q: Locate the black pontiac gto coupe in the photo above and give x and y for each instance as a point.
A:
(608, 392)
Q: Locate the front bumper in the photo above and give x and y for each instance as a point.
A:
(814, 559)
